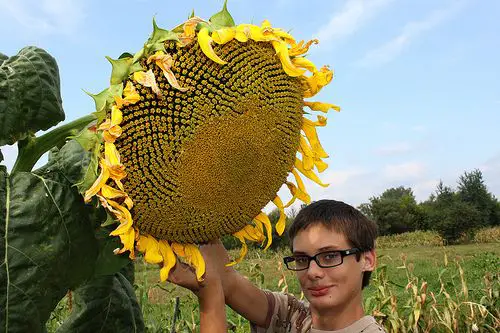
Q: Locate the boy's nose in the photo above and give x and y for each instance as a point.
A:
(314, 271)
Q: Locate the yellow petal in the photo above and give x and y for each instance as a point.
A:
(253, 233)
(311, 134)
(242, 33)
(320, 165)
(281, 49)
(264, 219)
(111, 154)
(123, 216)
(320, 122)
(112, 193)
(196, 260)
(165, 62)
(317, 81)
(105, 125)
(205, 42)
(305, 63)
(308, 173)
(275, 33)
(323, 107)
(178, 249)
(168, 259)
(280, 225)
(301, 192)
(131, 94)
(243, 250)
(147, 79)
(300, 48)
(293, 190)
(305, 148)
(98, 183)
(223, 35)
(116, 116)
(127, 239)
(151, 249)
(307, 162)
(190, 26)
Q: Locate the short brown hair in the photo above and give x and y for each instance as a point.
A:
(340, 217)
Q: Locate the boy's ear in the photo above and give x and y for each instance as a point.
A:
(369, 260)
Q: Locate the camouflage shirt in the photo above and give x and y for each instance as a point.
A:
(286, 314)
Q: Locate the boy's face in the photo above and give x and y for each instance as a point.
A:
(333, 287)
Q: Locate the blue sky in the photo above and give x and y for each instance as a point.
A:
(418, 81)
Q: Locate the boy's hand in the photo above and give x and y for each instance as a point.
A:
(216, 258)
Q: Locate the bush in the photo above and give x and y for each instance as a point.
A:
(410, 239)
(487, 235)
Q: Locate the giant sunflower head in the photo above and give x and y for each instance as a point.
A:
(198, 132)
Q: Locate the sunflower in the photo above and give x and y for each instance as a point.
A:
(199, 130)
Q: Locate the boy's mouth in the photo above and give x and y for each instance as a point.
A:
(319, 291)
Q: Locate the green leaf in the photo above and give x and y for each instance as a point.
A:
(47, 242)
(30, 98)
(222, 18)
(105, 304)
(3, 57)
(107, 262)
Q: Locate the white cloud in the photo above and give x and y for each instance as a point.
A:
(403, 171)
(353, 16)
(412, 30)
(45, 16)
(394, 149)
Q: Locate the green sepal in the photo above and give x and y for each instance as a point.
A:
(191, 15)
(125, 55)
(138, 55)
(92, 144)
(87, 139)
(104, 100)
(121, 69)
(222, 18)
(210, 27)
(110, 220)
(159, 35)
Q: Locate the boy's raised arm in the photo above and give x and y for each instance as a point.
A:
(240, 294)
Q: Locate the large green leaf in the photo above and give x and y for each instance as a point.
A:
(106, 304)
(47, 241)
(30, 98)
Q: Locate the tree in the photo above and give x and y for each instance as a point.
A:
(394, 211)
(473, 190)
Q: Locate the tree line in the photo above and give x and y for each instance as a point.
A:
(453, 212)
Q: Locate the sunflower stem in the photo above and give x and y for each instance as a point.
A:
(32, 148)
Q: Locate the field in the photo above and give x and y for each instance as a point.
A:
(415, 289)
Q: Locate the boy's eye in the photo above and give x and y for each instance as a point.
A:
(331, 256)
(301, 260)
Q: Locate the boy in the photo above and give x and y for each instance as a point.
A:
(333, 254)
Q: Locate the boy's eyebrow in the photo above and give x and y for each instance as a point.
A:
(324, 248)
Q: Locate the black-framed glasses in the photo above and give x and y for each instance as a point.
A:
(325, 259)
